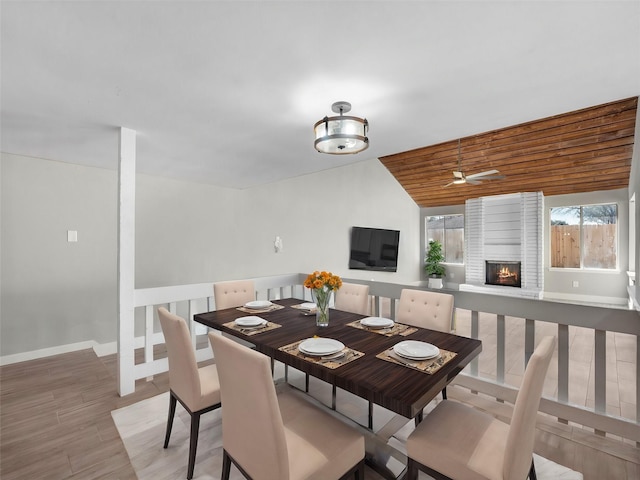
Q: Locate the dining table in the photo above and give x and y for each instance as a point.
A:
(369, 368)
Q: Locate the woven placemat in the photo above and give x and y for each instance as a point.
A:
(427, 366)
(300, 307)
(397, 329)
(304, 311)
(252, 330)
(271, 308)
(349, 356)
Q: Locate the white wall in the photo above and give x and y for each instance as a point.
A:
(314, 214)
(56, 293)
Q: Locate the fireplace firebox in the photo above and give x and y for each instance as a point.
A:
(506, 274)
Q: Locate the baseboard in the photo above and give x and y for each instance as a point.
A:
(100, 349)
(46, 352)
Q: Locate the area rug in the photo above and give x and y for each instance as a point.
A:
(142, 427)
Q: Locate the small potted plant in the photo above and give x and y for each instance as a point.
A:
(433, 264)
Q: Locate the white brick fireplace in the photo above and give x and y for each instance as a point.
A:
(505, 228)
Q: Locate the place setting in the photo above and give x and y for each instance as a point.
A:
(324, 351)
(383, 326)
(259, 306)
(306, 308)
(421, 356)
(251, 324)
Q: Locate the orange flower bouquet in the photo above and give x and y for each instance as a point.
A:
(322, 285)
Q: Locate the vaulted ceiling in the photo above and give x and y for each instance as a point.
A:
(581, 151)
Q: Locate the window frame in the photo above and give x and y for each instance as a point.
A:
(582, 268)
(427, 238)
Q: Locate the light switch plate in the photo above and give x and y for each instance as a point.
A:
(72, 235)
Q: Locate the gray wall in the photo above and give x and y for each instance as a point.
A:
(56, 293)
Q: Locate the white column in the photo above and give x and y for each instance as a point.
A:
(126, 260)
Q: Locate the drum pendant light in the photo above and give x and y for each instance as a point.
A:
(342, 134)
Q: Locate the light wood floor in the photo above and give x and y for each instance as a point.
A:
(55, 423)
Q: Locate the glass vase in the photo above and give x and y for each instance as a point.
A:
(321, 299)
(322, 315)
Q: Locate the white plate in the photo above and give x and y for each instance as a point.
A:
(376, 322)
(250, 321)
(257, 304)
(320, 346)
(308, 306)
(416, 350)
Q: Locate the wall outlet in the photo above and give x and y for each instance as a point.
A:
(575, 284)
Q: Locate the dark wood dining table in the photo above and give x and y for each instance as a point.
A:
(398, 388)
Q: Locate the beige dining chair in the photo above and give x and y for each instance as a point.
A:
(197, 389)
(234, 293)
(425, 309)
(456, 441)
(270, 433)
(354, 298)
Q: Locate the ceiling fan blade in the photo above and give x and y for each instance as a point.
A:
(482, 174)
(473, 182)
(444, 186)
(494, 177)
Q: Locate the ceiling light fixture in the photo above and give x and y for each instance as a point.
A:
(342, 134)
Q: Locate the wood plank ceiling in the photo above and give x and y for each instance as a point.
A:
(582, 151)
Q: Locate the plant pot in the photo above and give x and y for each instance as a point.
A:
(435, 282)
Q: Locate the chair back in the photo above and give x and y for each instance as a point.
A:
(233, 293)
(184, 379)
(354, 298)
(252, 429)
(519, 448)
(425, 309)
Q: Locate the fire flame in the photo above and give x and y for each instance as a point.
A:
(506, 273)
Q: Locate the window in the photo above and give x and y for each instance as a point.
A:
(584, 236)
(449, 231)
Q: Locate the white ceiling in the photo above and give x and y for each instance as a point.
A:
(227, 92)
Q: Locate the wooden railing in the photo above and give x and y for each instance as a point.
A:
(198, 298)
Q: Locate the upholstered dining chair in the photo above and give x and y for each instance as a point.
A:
(456, 441)
(270, 433)
(197, 389)
(425, 309)
(233, 293)
(422, 308)
(354, 298)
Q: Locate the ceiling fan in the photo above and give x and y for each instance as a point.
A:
(460, 178)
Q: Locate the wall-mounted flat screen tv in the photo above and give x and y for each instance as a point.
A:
(374, 249)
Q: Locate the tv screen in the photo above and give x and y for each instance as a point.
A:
(374, 249)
